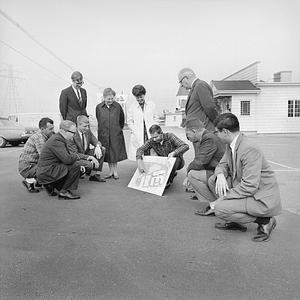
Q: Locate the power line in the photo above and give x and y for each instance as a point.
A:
(42, 46)
(33, 61)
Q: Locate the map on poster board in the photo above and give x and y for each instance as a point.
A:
(158, 172)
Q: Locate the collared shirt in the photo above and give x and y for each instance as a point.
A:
(193, 81)
(169, 143)
(232, 145)
(33, 147)
(77, 91)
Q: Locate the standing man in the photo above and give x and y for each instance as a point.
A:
(164, 144)
(244, 184)
(73, 100)
(209, 150)
(30, 154)
(200, 103)
(57, 167)
(91, 159)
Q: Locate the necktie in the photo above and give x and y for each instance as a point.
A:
(78, 96)
(83, 141)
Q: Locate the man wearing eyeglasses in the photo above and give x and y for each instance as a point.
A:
(57, 166)
(200, 103)
(73, 100)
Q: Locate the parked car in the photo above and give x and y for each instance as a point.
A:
(12, 133)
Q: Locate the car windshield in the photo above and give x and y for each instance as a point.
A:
(5, 123)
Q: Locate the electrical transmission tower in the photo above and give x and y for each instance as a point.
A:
(10, 102)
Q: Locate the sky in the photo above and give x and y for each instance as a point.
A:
(119, 44)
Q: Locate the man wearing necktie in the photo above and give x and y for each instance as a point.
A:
(73, 100)
(200, 103)
(91, 159)
(245, 186)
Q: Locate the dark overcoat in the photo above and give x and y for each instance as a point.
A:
(200, 104)
(54, 160)
(110, 131)
(69, 105)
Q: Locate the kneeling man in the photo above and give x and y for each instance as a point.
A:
(209, 150)
(164, 144)
(244, 183)
(82, 140)
(30, 154)
(57, 167)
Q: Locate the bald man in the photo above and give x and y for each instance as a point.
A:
(57, 167)
(200, 104)
(73, 100)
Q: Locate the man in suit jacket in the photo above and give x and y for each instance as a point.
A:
(57, 167)
(245, 185)
(73, 100)
(208, 152)
(200, 103)
(91, 159)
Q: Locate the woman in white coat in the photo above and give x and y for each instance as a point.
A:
(140, 118)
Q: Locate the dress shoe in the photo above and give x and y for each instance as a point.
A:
(194, 197)
(264, 231)
(30, 187)
(206, 211)
(109, 176)
(230, 226)
(67, 196)
(50, 190)
(97, 178)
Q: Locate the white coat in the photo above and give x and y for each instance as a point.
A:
(135, 121)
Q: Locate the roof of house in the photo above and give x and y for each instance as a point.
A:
(182, 92)
(241, 85)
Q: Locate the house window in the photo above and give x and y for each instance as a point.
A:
(245, 108)
(293, 108)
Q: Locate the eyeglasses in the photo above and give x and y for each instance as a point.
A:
(70, 131)
(180, 82)
(78, 81)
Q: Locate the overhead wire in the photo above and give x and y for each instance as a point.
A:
(33, 61)
(42, 46)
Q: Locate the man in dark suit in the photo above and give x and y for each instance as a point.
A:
(82, 141)
(209, 150)
(244, 183)
(57, 167)
(73, 100)
(200, 103)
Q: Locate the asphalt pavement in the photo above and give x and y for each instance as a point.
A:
(119, 243)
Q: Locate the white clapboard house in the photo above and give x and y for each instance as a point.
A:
(262, 107)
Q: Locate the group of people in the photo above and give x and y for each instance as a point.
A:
(228, 172)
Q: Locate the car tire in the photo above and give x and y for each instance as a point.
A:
(15, 143)
(3, 142)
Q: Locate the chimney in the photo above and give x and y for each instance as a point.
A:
(283, 76)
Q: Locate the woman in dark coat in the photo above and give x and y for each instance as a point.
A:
(110, 117)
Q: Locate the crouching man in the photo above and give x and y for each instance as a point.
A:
(30, 154)
(164, 144)
(57, 167)
(244, 184)
(91, 159)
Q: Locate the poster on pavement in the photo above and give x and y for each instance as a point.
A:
(158, 170)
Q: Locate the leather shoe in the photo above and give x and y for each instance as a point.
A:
(97, 178)
(264, 231)
(207, 211)
(230, 226)
(68, 196)
(30, 187)
(194, 197)
(50, 190)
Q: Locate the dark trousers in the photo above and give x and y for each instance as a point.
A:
(179, 163)
(70, 181)
(87, 164)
